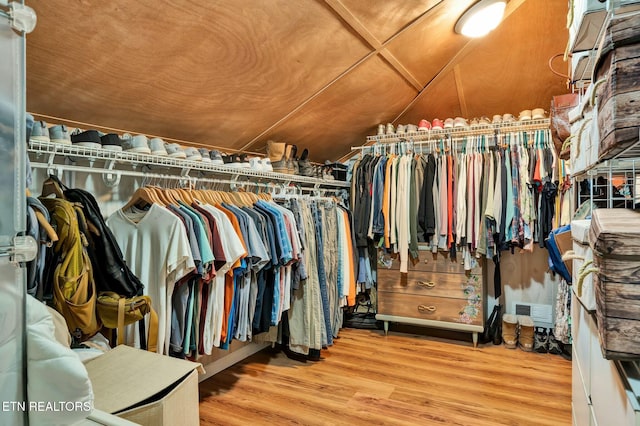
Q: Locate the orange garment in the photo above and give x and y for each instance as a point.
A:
(228, 279)
(351, 279)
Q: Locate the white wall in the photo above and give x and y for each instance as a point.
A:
(525, 278)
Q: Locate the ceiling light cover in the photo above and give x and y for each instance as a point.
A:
(481, 18)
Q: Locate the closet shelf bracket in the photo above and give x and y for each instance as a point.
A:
(184, 172)
(52, 157)
(234, 182)
(110, 179)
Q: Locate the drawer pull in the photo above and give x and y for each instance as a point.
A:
(425, 308)
(426, 284)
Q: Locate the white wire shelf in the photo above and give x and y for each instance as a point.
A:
(454, 132)
(107, 161)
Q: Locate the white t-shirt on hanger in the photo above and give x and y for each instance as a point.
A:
(155, 245)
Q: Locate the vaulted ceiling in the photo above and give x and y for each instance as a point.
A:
(318, 74)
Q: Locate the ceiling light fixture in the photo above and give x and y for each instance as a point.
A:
(481, 18)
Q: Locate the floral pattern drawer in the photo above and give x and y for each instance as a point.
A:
(464, 311)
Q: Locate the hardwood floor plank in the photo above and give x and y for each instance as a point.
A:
(399, 379)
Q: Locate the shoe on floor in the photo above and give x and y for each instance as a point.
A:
(541, 341)
(526, 331)
(510, 331)
(555, 346)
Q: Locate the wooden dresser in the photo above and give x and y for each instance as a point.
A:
(435, 293)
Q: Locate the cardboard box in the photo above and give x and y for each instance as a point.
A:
(146, 388)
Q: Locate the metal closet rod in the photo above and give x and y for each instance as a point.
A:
(114, 175)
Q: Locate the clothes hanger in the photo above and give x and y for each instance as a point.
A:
(142, 195)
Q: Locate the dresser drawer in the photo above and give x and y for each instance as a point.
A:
(430, 262)
(464, 311)
(458, 286)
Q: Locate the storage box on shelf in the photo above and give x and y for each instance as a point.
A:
(614, 237)
(619, 7)
(618, 67)
(586, 19)
(584, 134)
(437, 292)
(601, 394)
(582, 287)
(582, 64)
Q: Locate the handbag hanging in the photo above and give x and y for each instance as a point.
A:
(116, 312)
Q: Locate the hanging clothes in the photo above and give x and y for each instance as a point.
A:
(220, 267)
(479, 195)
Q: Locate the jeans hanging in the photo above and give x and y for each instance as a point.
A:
(322, 277)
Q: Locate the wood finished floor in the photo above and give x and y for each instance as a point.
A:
(399, 379)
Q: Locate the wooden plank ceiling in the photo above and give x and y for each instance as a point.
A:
(318, 74)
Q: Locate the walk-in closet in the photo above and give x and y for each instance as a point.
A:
(320, 212)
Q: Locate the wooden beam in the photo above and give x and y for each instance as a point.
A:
(400, 69)
(460, 90)
(352, 21)
(339, 8)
